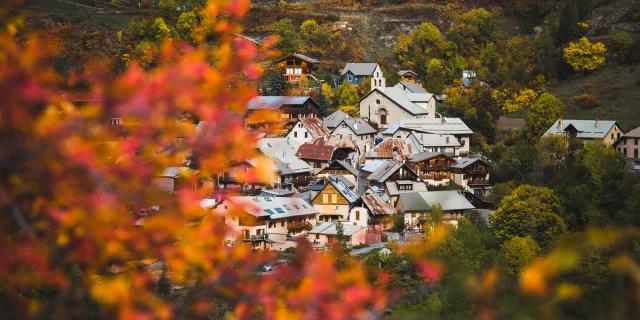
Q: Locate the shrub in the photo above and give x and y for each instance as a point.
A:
(586, 101)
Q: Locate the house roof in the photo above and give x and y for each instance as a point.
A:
(299, 56)
(587, 129)
(329, 228)
(273, 207)
(424, 156)
(339, 177)
(386, 170)
(332, 120)
(392, 186)
(275, 102)
(635, 133)
(315, 127)
(465, 162)
(431, 125)
(277, 192)
(392, 149)
(376, 204)
(360, 68)
(343, 164)
(322, 148)
(379, 192)
(451, 200)
(358, 126)
(339, 183)
(402, 72)
(373, 165)
(283, 152)
(175, 172)
(435, 140)
(413, 87)
(402, 99)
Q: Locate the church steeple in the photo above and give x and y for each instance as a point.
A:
(377, 79)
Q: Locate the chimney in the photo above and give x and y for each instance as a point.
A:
(597, 123)
(560, 124)
(447, 140)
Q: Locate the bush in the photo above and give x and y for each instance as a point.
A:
(586, 101)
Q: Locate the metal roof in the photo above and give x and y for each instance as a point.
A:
(299, 56)
(360, 68)
(635, 133)
(434, 140)
(587, 129)
(413, 87)
(332, 120)
(283, 152)
(402, 98)
(392, 149)
(344, 189)
(379, 192)
(465, 162)
(275, 102)
(339, 177)
(412, 201)
(452, 200)
(424, 156)
(276, 192)
(315, 127)
(401, 72)
(279, 207)
(329, 228)
(431, 125)
(373, 165)
(322, 148)
(358, 126)
(376, 204)
(392, 187)
(385, 170)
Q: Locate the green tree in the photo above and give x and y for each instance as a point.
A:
(499, 191)
(521, 158)
(517, 252)
(391, 76)
(347, 95)
(273, 83)
(309, 29)
(568, 23)
(186, 24)
(542, 114)
(323, 103)
(621, 46)
(289, 37)
(435, 76)
(164, 286)
(529, 211)
(553, 150)
(159, 30)
(585, 56)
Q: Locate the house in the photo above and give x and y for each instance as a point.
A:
(442, 126)
(629, 145)
(472, 174)
(267, 223)
(307, 129)
(355, 73)
(326, 233)
(371, 165)
(296, 65)
(417, 206)
(339, 167)
(379, 211)
(333, 120)
(410, 87)
(173, 178)
(609, 131)
(358, 130)
(385, 105)
(408, 75)
(468, 78)
(275, 111)
(290, 170)
(319, 152)
(334, 200)
(388, 149)
(237, 176)
(436, 143)
(434, 168)
(396, 177)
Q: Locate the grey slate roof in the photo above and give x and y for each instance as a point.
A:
(363, 126)
(373, 165)
(266, 206)
(435, 140)
(465, 162)
(385, 170)
(344, 190)
(431, 125)
(586, 128)
(412, 87)
(331, 121)
(275, 102)
(452, 200)
(635, 133)
(392, 186)
(329, 228)
(402, 98)
(283, 152)
(345, 165)
(359, 68)
(423, 156)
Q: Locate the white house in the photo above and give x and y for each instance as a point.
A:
(307, 129)
(442, 126)
(436, 142)
(608, 131)
(358, 130)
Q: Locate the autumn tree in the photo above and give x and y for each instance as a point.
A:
(585, 56)
(517, 252)
(328, 93)
(346, 95)
(529, 211)
(289, 37)
(519, 100)
(542, 114)
(435, 76)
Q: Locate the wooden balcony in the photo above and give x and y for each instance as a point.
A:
(434, 167)
(435, 177)
(476, 171)
(304, 225)
(477, 181)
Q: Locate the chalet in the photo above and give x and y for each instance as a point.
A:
(355, 73)
(358, 130)
(307, 129)
(339, 167)
(275, 111)
(434, 168)
(396, 177)
(379, 212)
(629, 145)
(472, 174)
(608, 131)
(326, 233)
(333, 120)
(436, 143)
(392, 149)
(319, 152)
(385, 105)
(334, 200)
(441, 126)
(295, 66)
(267, 223)
(408, 75)
(290, 170)
(417, 206)
(410, 87)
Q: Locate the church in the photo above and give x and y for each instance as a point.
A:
(385, 105)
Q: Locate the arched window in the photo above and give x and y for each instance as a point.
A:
(383, 115)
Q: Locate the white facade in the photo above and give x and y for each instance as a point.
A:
(364, 142)
(299, 133)
(377, 79)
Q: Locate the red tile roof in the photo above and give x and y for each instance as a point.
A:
(315, 127)
(385, 150)
(377, 206)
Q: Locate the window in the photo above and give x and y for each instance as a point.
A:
(282, 223)
(350, 137)
(279, 210)
(635, 153)
(306, 134)
(325, 198)
(357, 215)
(317, 236)
(295, 134)
(304, 206)
(618, 136)
(268, 211)
(256, 200)
(334, 198)
(624, 151)
(296, 206)
(635, 142)
(287, 207)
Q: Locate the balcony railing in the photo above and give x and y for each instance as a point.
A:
(473, 171)
(255, 237)
(299, 225)
(436, 177)
(435, 167)
(478, 181)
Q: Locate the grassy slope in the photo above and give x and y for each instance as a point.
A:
(625, 108)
